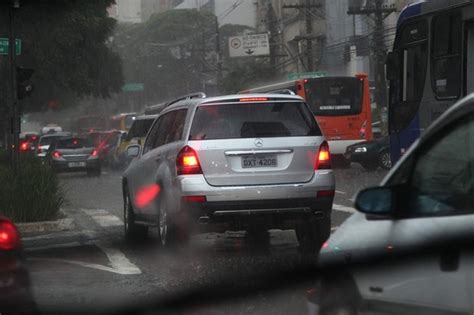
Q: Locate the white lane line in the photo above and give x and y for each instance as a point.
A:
(94, 212)
(119, 261)
(103, 217)
(343, 208)
(107, 220)
(340, 192)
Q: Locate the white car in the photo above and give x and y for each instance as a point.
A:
(423, 211)
(46, 140)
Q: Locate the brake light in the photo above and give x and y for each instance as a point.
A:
(9, 236)
(24, 146)
(39, 150)
(253, 99)
(324, 157)
(187, 162)
(56, 154)
(94, 152)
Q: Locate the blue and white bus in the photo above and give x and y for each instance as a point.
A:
(431, 66)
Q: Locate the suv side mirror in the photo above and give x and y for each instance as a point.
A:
(376, 201)
(393, 65)
(133, 151)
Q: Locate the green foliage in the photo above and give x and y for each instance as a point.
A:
(33, 194)
(170, 53)
(65, 42)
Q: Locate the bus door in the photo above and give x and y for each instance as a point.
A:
(407, 82)
(469, 68)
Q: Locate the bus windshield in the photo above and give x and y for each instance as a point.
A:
(335, 96)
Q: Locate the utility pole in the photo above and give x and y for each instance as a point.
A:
(307, 7)
(270, 20)
(378, 13)
(218, 54)
(15, 119)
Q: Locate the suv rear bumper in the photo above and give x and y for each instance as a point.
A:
(196, 185)
(272, 206)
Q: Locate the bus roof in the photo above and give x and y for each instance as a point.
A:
(425, 7)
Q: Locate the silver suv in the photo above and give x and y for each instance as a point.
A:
(252, 162)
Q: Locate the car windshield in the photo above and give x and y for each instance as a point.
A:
(214, 145)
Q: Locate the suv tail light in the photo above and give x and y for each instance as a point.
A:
(94, 152)
(56, 154)
(9, 236)
(323, 161)
(39, 150)
(187, 162)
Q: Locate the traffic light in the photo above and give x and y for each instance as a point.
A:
(24, 86)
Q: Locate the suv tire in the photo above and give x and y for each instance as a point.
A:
(132, 230)
(171, 232)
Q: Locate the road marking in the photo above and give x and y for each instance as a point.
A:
(95, 212)
(118, 261)
(340, 192)
(343, 208)
(103, 217)
(108, 220)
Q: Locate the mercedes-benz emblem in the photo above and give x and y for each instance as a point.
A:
(258, 143)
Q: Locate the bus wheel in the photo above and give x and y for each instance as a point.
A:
(384, 160)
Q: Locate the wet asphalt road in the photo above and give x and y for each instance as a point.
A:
(92, 266)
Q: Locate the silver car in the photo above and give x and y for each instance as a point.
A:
(252, 162)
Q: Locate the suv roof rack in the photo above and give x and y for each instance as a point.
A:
(156, 109)
(283, 91)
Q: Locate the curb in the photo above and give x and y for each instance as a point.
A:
(64, 224)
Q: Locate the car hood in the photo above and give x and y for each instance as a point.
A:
(359, 239)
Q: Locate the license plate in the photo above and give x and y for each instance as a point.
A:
(76, 164)
(257, 161)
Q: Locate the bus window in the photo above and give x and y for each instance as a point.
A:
(446, 55)
(333, 96)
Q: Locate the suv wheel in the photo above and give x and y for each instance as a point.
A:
(133, 231)
(171, 232)
(312, 234)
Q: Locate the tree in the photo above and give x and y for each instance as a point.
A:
(66, 43)
(172, 53)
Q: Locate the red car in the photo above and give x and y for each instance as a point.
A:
(15, 291)
(28, 141)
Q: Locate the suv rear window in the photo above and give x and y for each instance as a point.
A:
(253, 120)
(74, 143)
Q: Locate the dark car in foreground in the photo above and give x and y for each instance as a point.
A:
(15, 292)
(74, 154)
(370, 154)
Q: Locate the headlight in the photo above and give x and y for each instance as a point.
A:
(360, 150)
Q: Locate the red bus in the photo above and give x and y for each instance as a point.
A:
(341, 106)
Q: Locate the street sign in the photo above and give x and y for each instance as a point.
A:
(306, 75)
(4, 44)
(249, 45)
(133, 87)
